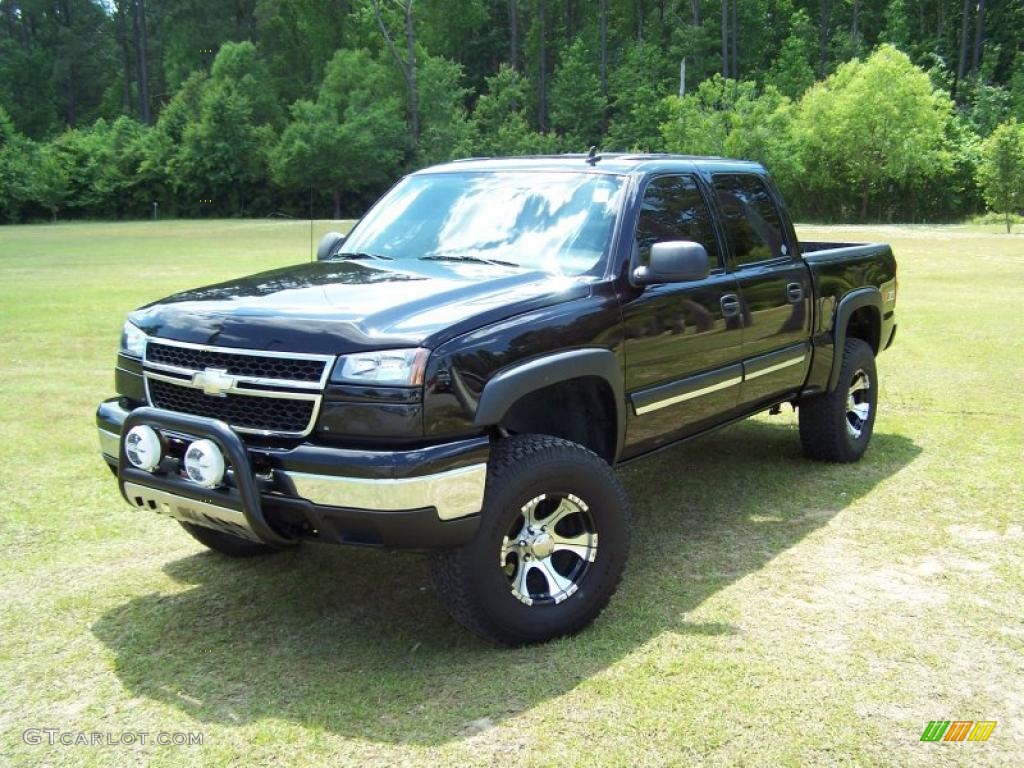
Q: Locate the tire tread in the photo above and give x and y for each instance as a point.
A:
(822, 418)
(450, 569)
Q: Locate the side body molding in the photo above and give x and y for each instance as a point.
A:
(510, 384)
(850, 303)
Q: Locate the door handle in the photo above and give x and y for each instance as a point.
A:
(795, 292)
(730, 304)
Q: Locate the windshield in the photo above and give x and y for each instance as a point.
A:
(552, 221)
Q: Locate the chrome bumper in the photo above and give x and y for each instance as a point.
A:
(110, 444)
(454, 493)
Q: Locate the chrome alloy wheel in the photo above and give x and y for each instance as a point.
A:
(549, 548)
(858, 403)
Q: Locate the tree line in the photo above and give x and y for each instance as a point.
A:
(863, 109)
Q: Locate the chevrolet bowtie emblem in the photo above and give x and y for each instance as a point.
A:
(214, 381)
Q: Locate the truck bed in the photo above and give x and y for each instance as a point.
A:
(838, 269)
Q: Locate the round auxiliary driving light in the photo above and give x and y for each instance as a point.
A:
(204, 463)
(142, 447)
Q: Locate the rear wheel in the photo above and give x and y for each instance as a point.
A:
(552, 543)
(837, 426)
(226, 544)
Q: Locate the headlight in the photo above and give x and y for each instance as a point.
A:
(394, 367)
(133, 341)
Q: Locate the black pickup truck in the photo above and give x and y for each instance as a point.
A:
(462, 372)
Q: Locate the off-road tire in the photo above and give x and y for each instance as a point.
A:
(470, 581)
(826, 431)
(226, 544)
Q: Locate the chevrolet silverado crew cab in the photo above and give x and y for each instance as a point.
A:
(461, 373)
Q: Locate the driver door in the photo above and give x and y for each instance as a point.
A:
(683, 341)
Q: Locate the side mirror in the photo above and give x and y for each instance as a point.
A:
(329, 245)
(674, 261)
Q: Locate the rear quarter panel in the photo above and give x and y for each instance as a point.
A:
(838, 269)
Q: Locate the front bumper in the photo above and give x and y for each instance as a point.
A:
(423, 498)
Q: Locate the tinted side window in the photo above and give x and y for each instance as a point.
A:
(673, 209)
(751, 220)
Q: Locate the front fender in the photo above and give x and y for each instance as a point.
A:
(510, 384)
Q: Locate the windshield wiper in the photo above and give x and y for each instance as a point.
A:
(467, 257)
(361, 255)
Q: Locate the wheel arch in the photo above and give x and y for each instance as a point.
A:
(595, 372)
(859, 315)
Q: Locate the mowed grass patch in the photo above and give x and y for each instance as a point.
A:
(774, 612)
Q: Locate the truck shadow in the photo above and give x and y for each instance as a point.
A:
(353, 641)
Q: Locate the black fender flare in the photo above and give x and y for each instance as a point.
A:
(869, 296)
(512, 383)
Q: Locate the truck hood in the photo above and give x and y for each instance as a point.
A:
(350, 306)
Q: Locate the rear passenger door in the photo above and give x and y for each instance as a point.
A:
(774, 286)
(683, 341)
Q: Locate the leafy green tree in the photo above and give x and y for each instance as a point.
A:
(596, 74)
(296, 39)
(8, 132)
(872, 126)
(499, 126)
(224, 152)
(56, 62)
(308, 153)
(762, 130)
(186, 36)
(365, 94)
(47, 180)
(183, 108)
(351, 140)
(462, 31)
(577, 104)
(734, 119)
(792, 73)
(1001, 171)
(637, 94)
(698, 123)
(12, 169)
(444, 125)
(102, 164)
(987, 106)
(32, 176)
(159, 176)
(699, 43)
(240, 70)
(1017, 87)
(83, 156)
(30, 100)
(954, 193)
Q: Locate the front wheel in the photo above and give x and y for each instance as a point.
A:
(837, 425)
(552, 543)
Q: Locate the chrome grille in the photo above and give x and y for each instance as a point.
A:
(257, 392)
(236, 363)
(263, 414)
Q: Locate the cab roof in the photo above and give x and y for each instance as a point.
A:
(605, 162)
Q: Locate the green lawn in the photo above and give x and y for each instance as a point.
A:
(774, 611)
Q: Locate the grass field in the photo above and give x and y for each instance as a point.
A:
(774, 611)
